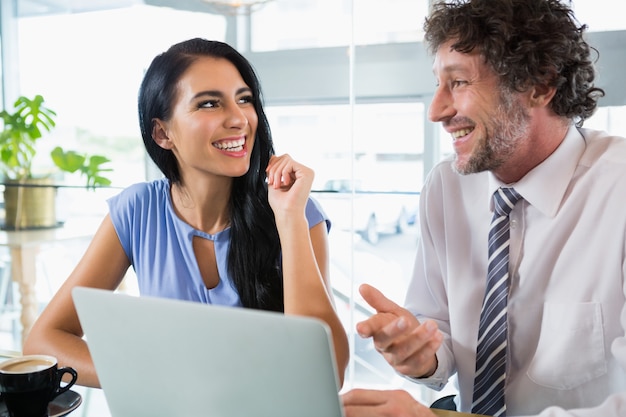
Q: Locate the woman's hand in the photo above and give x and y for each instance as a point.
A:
(289, 185)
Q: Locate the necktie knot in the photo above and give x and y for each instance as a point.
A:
(504, 200)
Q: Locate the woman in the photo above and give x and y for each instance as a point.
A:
(212, 230)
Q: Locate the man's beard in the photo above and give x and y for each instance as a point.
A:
(509, 127)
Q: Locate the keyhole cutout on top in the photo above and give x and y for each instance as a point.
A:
(204, 250)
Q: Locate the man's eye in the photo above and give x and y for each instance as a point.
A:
(458, 83)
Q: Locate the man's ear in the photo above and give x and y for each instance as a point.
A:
(159, 134)
(541, 95)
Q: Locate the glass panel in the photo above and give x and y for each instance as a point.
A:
(392, 21)
(596, 14)
(368, 163)
(611, 119)
(383, 152)
(90, 75)
(389, 146)
(326, 23)
(384, 263)
(318, 136)
(303, 24)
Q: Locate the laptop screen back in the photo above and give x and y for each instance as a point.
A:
(162, 358)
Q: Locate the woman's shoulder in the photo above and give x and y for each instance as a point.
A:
(148, 187)
(142, 190)
(150, 193)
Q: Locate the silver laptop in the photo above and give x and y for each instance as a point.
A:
(167, 358)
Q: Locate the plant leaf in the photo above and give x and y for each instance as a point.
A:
(69, 161)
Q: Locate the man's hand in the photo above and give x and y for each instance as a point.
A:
(406, 344)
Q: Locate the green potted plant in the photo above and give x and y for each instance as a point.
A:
(88, 166)
(30, 199)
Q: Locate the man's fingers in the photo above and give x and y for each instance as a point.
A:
(377, 300)
(389, 321)
(382, 325)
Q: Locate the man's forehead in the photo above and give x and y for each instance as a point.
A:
(448, 59)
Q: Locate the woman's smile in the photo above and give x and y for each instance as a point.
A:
(232, 146)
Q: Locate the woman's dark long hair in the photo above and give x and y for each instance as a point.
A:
(254, 260)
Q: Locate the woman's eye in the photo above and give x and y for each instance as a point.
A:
(208, 104)
(246, 99)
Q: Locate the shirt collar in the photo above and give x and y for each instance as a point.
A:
(545, 185)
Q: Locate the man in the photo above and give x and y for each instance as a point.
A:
(545, 310)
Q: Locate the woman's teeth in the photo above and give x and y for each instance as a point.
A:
(461, 132)
(231, 146)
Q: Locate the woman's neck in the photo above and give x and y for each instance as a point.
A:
(203, 205)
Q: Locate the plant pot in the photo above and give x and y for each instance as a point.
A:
(30, 204)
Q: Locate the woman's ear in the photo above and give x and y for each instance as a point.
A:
(159, 134)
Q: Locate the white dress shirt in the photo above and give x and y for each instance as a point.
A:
(567, 316)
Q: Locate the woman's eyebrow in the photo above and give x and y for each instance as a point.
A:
(218, 93)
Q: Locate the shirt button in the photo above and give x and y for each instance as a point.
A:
(513, 224)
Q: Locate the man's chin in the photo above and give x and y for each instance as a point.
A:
(475, 163)
(462, 167)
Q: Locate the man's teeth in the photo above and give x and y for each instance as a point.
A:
(460, 133)
(233, 146)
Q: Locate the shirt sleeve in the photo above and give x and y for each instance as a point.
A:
(315, 214)
(128, 215)
(426, 294)
(120, 211)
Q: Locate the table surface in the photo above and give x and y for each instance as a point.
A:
(24, 245)
(6, 354)
(83, 227)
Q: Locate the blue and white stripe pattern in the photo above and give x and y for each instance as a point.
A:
(490, 375)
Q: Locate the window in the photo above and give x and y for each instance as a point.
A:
(90, 69)
(346, 84)
(327, 23)
(373, 142)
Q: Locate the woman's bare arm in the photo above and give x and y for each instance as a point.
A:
(304, 252)
(57, 331)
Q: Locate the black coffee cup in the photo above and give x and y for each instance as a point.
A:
(28, 384)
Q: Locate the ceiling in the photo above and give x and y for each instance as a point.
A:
(28, 8)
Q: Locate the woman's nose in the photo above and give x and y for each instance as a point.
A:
(235, 116)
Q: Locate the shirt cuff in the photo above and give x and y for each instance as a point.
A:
(437, 381)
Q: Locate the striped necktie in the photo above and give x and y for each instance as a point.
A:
(490, 375)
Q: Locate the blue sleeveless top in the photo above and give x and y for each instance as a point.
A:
(159, 245)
